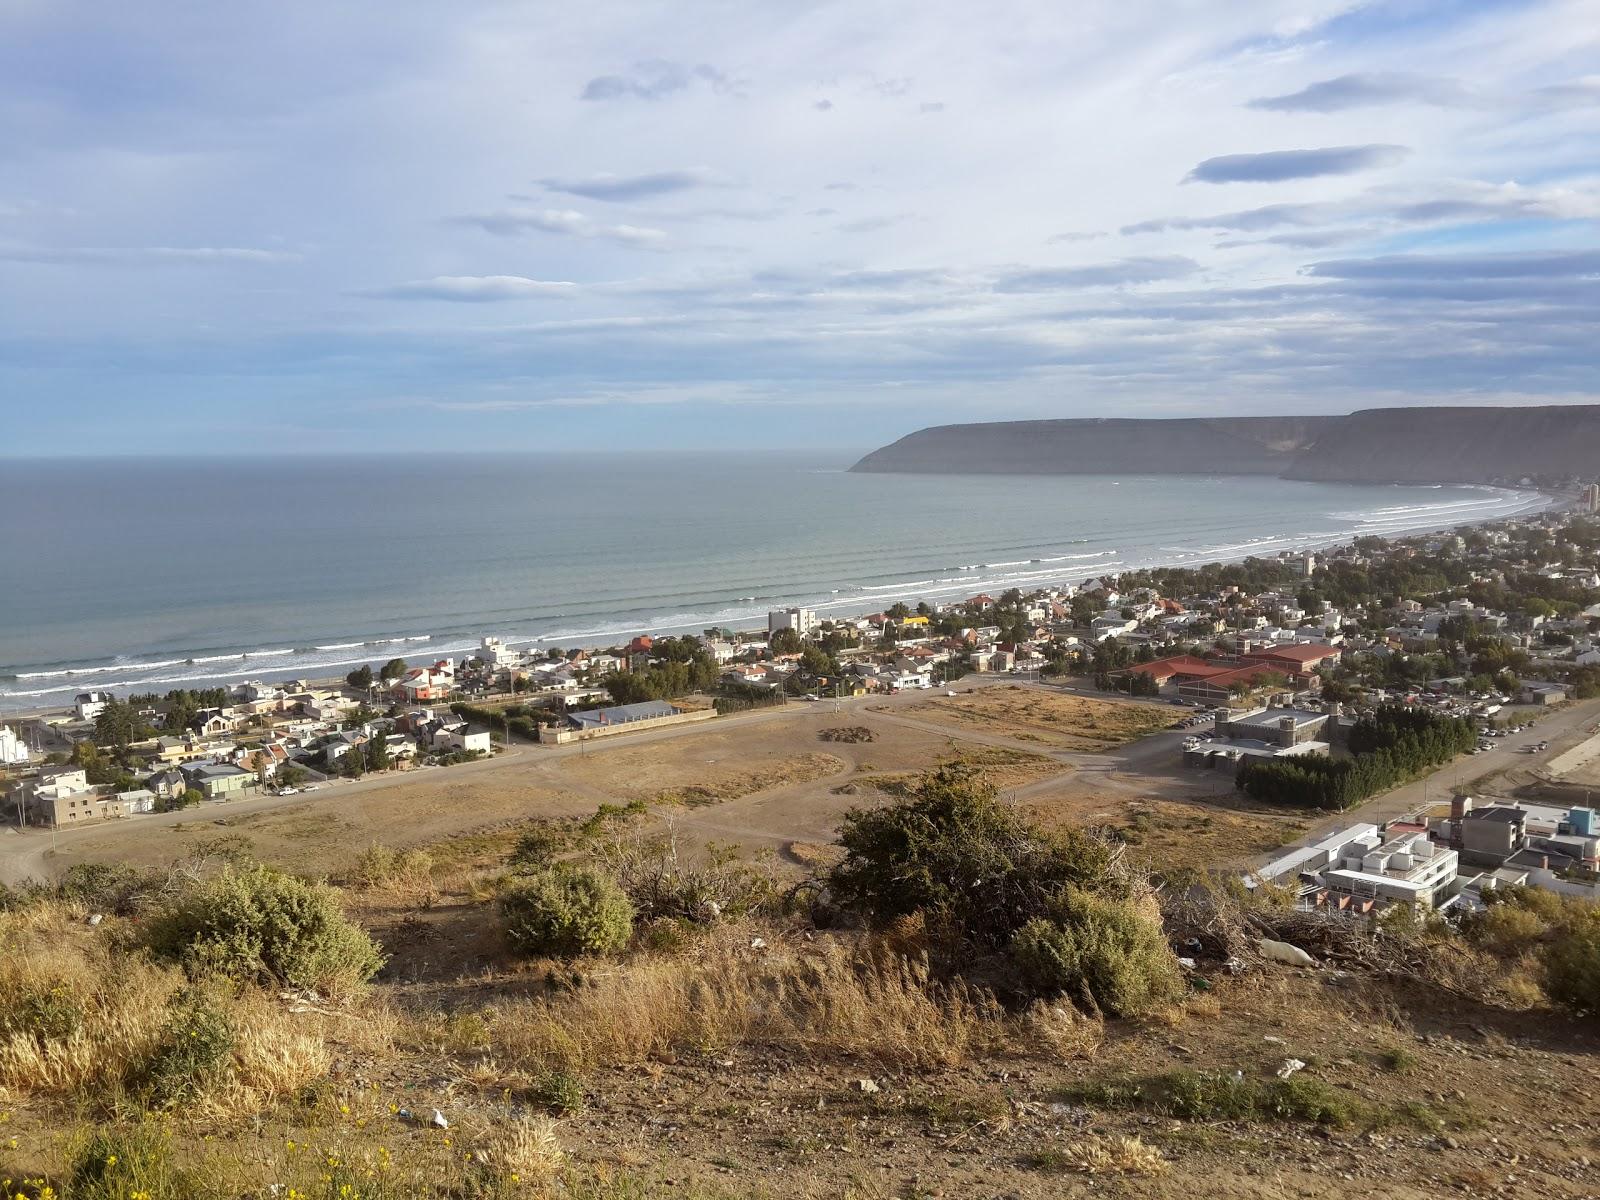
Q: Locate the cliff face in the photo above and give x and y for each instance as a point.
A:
(1186, 446)
(1455, 445)
(1381, 445)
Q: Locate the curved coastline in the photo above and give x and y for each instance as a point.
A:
(326, 657)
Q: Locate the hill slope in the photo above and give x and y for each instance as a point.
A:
(1394, 445)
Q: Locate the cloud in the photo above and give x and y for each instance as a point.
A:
(1582, 93)
(130, 255)
(1267, 217)
(931, 106)
(1108, 274)
(870, 224)
(473, 288)
(823, 105)
(1550, 264)
(1367, 89)
(1067, 238)
(655, 79)
(1277, 165)
(606, 186)
(509, 222)
(1312, 239)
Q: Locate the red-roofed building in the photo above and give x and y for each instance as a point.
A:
(1299, 657)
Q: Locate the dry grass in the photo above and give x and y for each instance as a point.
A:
(1003, 767)
(732, 786)
(81, 1017)
(1053, 718)
(524, 1152)
(1114, 1156)
(822, 997)
(74, 1014)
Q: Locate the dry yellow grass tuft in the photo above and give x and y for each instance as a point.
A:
(1115, 1156)
(824, 997)
(525, 1152)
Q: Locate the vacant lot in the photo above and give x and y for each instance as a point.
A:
(758, 783)
(1172, 831)
(698, 770)
(1053, 719)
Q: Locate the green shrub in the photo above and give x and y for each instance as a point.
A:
(126, 1163)
(1228, 1096)
(1571, 960)
(560, 1092)
(953, 851)
(255, 923)
(47, 1013)
(1102, 953)
(566, 911)
(194, 1049)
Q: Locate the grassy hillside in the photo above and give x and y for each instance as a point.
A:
(753, 1038)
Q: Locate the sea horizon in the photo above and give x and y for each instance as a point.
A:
(287, 569)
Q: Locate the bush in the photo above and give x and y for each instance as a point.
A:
(124, 1163)
(565, 912)
(45, 1012)
(1571, 960)
(195, 1047)
(972, 865)
(1104, 954)
(255, 923)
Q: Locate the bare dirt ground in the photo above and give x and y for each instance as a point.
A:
(763, 782)
(1050, 718)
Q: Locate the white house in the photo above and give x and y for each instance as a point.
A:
(90, 705)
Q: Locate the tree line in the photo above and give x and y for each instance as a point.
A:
(1388, 746)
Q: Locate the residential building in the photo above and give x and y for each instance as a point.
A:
(89, 705)
(13, 750)
(218, 781)
(802, 620)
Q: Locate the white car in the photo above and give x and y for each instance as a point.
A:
(288, 791)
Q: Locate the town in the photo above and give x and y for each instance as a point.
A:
(1275, 669)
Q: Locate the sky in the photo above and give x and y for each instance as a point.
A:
(334, 228)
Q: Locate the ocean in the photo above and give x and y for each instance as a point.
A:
(148, 574)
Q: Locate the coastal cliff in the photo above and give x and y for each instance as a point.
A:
(1381, 445)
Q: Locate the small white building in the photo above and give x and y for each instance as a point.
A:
(89, 705)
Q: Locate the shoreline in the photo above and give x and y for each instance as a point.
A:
(853, 606)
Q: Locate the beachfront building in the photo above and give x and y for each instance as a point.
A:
(802, 620)
(89, 705)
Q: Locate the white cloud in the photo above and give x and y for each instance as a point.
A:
(475, 288)
(508, 222)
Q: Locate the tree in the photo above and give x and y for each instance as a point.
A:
(377, 753)
(360, 679)
(191, 798)
(117, 724)
(291, 775)
(392, 670)
(786, 641)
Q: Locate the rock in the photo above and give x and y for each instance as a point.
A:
(1186, 963)
(95, 919)
(758, 943)
(1290, 1066)
(866, 1087)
